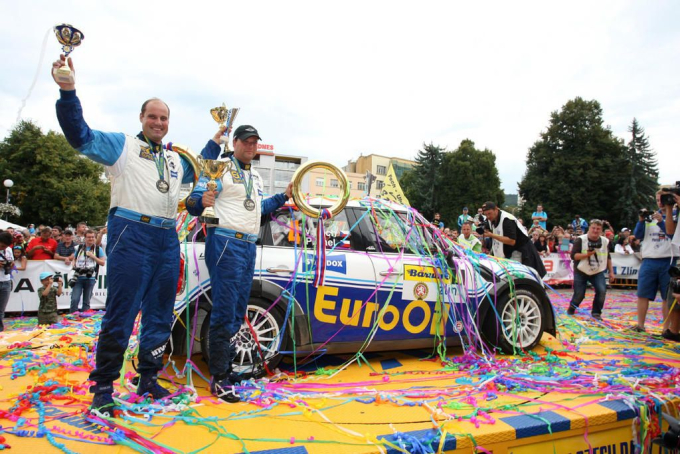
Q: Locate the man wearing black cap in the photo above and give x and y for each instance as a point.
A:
(510, 238)
(230, 251)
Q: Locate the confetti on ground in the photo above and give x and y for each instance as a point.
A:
(43, 378)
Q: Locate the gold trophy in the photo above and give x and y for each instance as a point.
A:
(70, 38)
(214, 170)
(225, 117)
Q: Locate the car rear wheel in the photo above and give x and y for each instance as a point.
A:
(267, 324)
(519, 324)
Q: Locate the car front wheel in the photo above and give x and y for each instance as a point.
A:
(518, 324)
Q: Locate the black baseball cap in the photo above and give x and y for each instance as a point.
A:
(488, 206)
(245, 131)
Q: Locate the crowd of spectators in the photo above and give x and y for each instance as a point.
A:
(560, 239)
(81, 248)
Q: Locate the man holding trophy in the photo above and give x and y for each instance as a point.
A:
(143, 248)
(230, 248)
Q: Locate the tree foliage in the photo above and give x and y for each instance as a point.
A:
(639, 188)
(445, 182)
(469, 178)
(420, 184)
(577, 167)
(53, 183)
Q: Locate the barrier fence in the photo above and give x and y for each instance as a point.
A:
(24, 296)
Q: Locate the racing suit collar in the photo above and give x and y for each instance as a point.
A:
(143, 138)
(241, 164)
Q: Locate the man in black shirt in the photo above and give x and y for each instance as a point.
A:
(510, 239)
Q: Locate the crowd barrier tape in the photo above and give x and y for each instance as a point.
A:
(559, 267)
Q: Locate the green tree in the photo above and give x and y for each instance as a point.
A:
(469, 178)
(577, 167)
(420, 185)
(640, 186)
(53, 183)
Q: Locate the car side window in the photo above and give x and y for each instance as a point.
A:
(291, 228)
(391, 231)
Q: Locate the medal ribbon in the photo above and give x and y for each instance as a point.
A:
(320, 271)
(158, 158)
(247, 186)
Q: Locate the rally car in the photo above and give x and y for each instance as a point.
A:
(391, 281)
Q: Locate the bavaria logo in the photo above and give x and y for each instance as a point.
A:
(336, 263)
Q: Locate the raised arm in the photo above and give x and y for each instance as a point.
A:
(102, 147)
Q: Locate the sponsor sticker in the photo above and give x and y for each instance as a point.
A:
(335, 263)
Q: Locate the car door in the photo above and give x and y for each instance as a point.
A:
(419, 296)
(336, 310)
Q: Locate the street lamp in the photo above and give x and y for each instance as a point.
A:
(8, 185)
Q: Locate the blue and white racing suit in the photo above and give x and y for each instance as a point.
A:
(142, 247)
(230, 256)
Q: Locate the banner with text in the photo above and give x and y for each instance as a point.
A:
(25, 284)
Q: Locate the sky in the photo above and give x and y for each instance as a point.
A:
(334, 80)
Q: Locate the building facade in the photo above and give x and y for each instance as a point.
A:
(276, 170)
(378, 166)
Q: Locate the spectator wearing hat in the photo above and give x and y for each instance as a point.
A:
(47, 310)
(510, 238)
(42, 247)
(6, 264)
(463, 218)
(541, 216)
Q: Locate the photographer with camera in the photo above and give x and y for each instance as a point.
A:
(670, 199)
(591, 260)
(6, 262)
(510, 238)
(656, 261)
(88, 258)
(47, 309)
